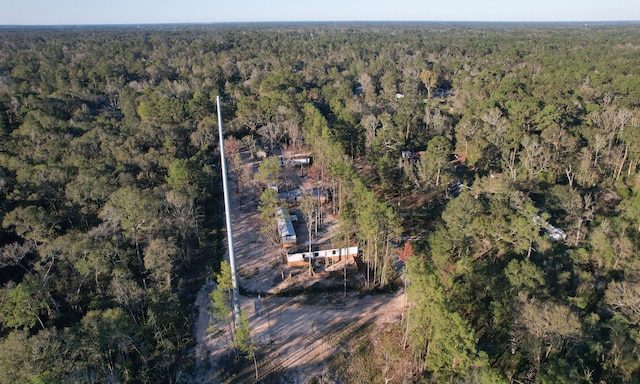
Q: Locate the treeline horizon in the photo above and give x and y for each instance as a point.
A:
(330, 23)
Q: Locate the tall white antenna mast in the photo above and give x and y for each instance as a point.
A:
(227, 212)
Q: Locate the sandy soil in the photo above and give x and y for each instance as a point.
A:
(294, 334)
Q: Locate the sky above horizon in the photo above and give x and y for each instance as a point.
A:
(80, 12)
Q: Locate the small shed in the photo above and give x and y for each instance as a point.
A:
(320, 194)
(261, 154)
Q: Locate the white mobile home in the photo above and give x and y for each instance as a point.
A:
(302, 258)
(285, 227)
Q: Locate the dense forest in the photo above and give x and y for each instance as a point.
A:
(497, 163)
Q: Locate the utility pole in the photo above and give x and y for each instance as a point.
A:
(227, 212)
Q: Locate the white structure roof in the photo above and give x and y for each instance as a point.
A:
(285, 226)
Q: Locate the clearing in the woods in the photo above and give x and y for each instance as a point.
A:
(296, 320)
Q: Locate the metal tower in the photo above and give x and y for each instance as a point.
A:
(227, 212)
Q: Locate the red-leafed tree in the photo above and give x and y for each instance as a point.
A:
(406, 252)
